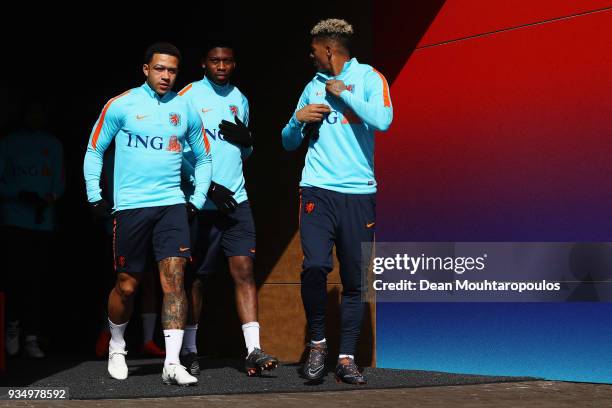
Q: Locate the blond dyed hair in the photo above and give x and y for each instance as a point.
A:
(332, 27)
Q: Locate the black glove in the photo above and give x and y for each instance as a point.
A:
(222, 197)
(192, 211)
(236, 133)
(311, 130)
(101, 209)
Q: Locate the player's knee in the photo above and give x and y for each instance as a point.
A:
(315, 275)
(172, 274)
(173, 285)
(126, 287)
(243, 273)
(352, 290)
(173, 264)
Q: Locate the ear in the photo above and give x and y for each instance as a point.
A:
(145, 69)
(328, 51)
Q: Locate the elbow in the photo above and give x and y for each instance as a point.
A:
(385, 123)
(289, 143)
(383, 127)
(289, 146)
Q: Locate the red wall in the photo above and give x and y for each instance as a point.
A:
(467, 18)
(504, 135)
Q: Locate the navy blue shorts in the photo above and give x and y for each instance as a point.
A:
(216, 233)
(163, 230)
(329, 218)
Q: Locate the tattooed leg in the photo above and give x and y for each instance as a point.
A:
(174, 310)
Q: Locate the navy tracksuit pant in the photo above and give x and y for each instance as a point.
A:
(346, 220)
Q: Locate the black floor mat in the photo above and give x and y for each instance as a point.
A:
(89, 379)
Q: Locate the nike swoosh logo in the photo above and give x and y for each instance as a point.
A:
(320, 93)
(141, 117)
(317, 371)
(206, 110)
(183, 249)
(370, 225)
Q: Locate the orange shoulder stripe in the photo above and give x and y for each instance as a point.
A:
(94, 140)
(185, 89)
(386, 96)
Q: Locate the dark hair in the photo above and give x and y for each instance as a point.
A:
(220, 41)
(161, 48)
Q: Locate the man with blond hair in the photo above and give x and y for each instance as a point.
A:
(338, 111)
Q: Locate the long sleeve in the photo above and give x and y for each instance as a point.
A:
(187, 171)
(245, 152)
(105, 129)
(376, 111)
(292, 132)
(203, 166)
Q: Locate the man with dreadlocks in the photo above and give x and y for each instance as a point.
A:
(338, 111)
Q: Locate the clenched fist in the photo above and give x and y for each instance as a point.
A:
(312, 113)
(335, 87)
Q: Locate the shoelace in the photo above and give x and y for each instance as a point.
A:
(259, 356)
(317, 358)
(177, 366)
(352, 369)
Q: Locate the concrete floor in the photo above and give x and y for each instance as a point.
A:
(534, 394)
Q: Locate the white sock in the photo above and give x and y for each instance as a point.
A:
(319, 341)
(174, 340)
(189, 340)
(148, 326)
(251, 336)
(117, 330)
(352, 357)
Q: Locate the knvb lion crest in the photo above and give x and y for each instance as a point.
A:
(175, 119)
(121, 261)
(174, 145)
(309, 207)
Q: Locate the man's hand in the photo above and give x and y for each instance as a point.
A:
(312, 113)
(101, 209)
(192, 211)
(335, 87)
(236, 133)
(222, 197)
